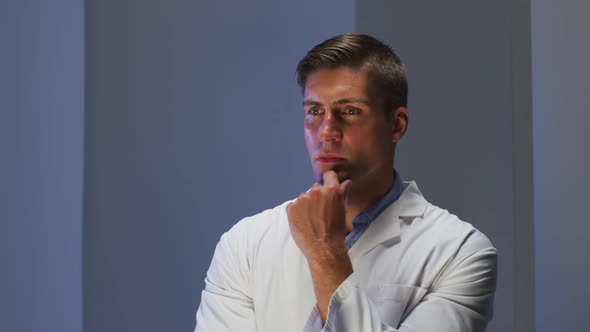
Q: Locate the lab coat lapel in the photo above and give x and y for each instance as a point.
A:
(386, 226)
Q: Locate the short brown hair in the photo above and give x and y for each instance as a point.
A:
(387, 76)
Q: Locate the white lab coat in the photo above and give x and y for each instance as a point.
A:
(416, 268)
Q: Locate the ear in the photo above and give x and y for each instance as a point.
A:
(399, 123)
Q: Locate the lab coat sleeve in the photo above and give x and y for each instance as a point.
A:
(461, 300)
(226, 303)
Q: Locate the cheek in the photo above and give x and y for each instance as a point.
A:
(309, 135)
(370, 144)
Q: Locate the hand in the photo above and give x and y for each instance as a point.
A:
(318, 220)
(318, 225)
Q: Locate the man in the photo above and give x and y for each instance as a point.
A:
(361, 250)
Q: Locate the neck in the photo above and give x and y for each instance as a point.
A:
(364, 195)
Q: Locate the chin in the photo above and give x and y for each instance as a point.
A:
(341, 173)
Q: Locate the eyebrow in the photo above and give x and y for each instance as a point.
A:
(339, 101)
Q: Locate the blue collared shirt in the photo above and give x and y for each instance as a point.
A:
(361, 222)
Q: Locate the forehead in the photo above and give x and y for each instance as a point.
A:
(329, 84)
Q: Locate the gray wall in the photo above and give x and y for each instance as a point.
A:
(459, 142)
(561, 123)
(41, 146)
(194, 121)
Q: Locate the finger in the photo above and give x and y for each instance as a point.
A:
(344, 186)
(296, 201)
(316, 186)
(330, 179)
(290, 207)
(314, 191)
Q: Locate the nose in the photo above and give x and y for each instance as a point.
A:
(330, 129)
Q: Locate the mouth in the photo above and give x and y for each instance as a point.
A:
(329, 158)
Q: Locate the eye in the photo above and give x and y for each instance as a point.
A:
(314, 111)
(351, 111)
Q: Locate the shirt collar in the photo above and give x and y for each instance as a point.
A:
(371, 213)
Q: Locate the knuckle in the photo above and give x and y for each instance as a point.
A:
(300, 198)
(299, 202)
(332, 190)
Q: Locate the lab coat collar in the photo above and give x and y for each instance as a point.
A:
(409, 205)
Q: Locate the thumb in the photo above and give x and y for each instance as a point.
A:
(344, 187)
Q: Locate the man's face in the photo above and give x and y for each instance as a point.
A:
(345, 130)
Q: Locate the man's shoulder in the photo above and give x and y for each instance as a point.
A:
(259, 224)
(258, 234)
(448, 227)
(442, 226)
